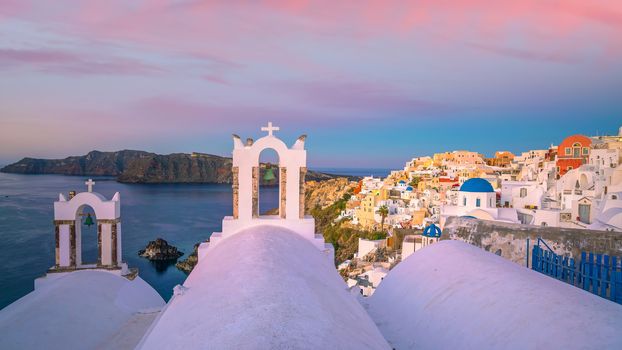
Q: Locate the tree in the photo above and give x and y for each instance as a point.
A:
(384, 212)
(415, 181)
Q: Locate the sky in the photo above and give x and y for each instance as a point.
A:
(372, 83)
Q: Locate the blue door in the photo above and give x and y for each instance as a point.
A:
(584, 213)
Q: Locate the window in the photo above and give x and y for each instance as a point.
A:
(464, 201)
(523, 192)
(568, 151)
(586, 151)
(478, 202)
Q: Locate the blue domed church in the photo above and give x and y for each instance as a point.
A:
(477, 199)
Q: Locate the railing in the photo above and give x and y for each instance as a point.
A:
(596, 273)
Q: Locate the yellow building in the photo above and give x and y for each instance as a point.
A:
(367, 211)
(425, 183)
(418, 216)
(440, 158)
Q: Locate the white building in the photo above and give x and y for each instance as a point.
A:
(367, 246)
(478, 199)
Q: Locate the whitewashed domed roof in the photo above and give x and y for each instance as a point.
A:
(264, 288)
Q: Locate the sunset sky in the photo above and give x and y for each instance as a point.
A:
(372, 85)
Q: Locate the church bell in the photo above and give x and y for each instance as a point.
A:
(269, 175)
(89, 220)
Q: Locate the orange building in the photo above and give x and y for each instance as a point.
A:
(501, 159)
(573, 152)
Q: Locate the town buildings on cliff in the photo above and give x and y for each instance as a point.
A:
(268, 282)
(577, 184)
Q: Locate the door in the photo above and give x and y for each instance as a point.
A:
(584, 213)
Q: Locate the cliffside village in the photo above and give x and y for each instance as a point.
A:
(575, 184)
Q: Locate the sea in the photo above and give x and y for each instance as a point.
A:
(182, 214)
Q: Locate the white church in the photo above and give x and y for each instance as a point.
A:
(477, 199)
(269, 282)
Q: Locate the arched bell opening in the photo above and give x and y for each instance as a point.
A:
(266, 176)
(87, 237)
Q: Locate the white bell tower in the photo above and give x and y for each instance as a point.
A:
(68, 231)
(245, 185)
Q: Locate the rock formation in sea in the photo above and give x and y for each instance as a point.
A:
(188, 264)
(160, 250)
(143, 167)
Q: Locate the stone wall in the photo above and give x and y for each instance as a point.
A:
(510, 240)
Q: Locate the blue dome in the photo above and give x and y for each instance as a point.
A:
(409, 188)
(402, 182)
(432, 231)
(476, 184)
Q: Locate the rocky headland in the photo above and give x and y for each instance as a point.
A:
(130, 166)
(190, 262)
(160, 250)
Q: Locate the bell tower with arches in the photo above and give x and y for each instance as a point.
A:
(245, 184)
(68, 233)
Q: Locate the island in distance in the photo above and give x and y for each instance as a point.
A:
(130, 166)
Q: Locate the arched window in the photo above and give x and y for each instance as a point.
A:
(523, 192)
(576, 150)
(478, 202)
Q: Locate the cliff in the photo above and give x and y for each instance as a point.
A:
(142, 167)
(324, 193)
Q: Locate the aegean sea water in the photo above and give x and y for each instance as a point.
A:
(182, 214)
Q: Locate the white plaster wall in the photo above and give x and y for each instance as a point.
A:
(488, 200)
(366, 246)
(64, 245)
(534, 196)
(106, 244)
(604, 158)
(78, 244)
(104, 209)
(407, 249)
(119, 244)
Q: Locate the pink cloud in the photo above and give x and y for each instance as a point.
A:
(69, 63)
(215, 79)
(362, 96)
(555, 57)
(228, 29)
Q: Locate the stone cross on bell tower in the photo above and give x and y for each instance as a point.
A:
(270, 128)
(89, 185)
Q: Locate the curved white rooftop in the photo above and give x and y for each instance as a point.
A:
(85, 309)
(451, 295)
(264, 288)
